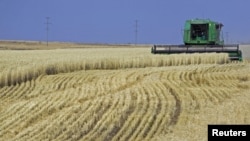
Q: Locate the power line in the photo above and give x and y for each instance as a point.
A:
(136, 31)
(47, 29)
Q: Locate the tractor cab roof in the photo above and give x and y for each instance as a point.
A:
(203, 21)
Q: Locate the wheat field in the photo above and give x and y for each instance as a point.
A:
(118, 94)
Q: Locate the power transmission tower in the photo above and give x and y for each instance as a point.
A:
(47, 29)
(136, 31)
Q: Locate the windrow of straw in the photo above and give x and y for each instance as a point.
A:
(167, 103)
(32, 71)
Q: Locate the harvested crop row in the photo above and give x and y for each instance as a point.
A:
(127, 104)
(32, 64)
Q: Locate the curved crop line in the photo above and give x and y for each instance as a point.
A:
(129, 104)
(23, 74)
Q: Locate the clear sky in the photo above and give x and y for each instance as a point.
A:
(114, 21)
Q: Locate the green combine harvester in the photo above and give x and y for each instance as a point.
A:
(201, 36)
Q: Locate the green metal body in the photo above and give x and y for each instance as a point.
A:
(200, 36)
(202, 32)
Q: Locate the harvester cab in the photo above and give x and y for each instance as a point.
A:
(201, 36)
